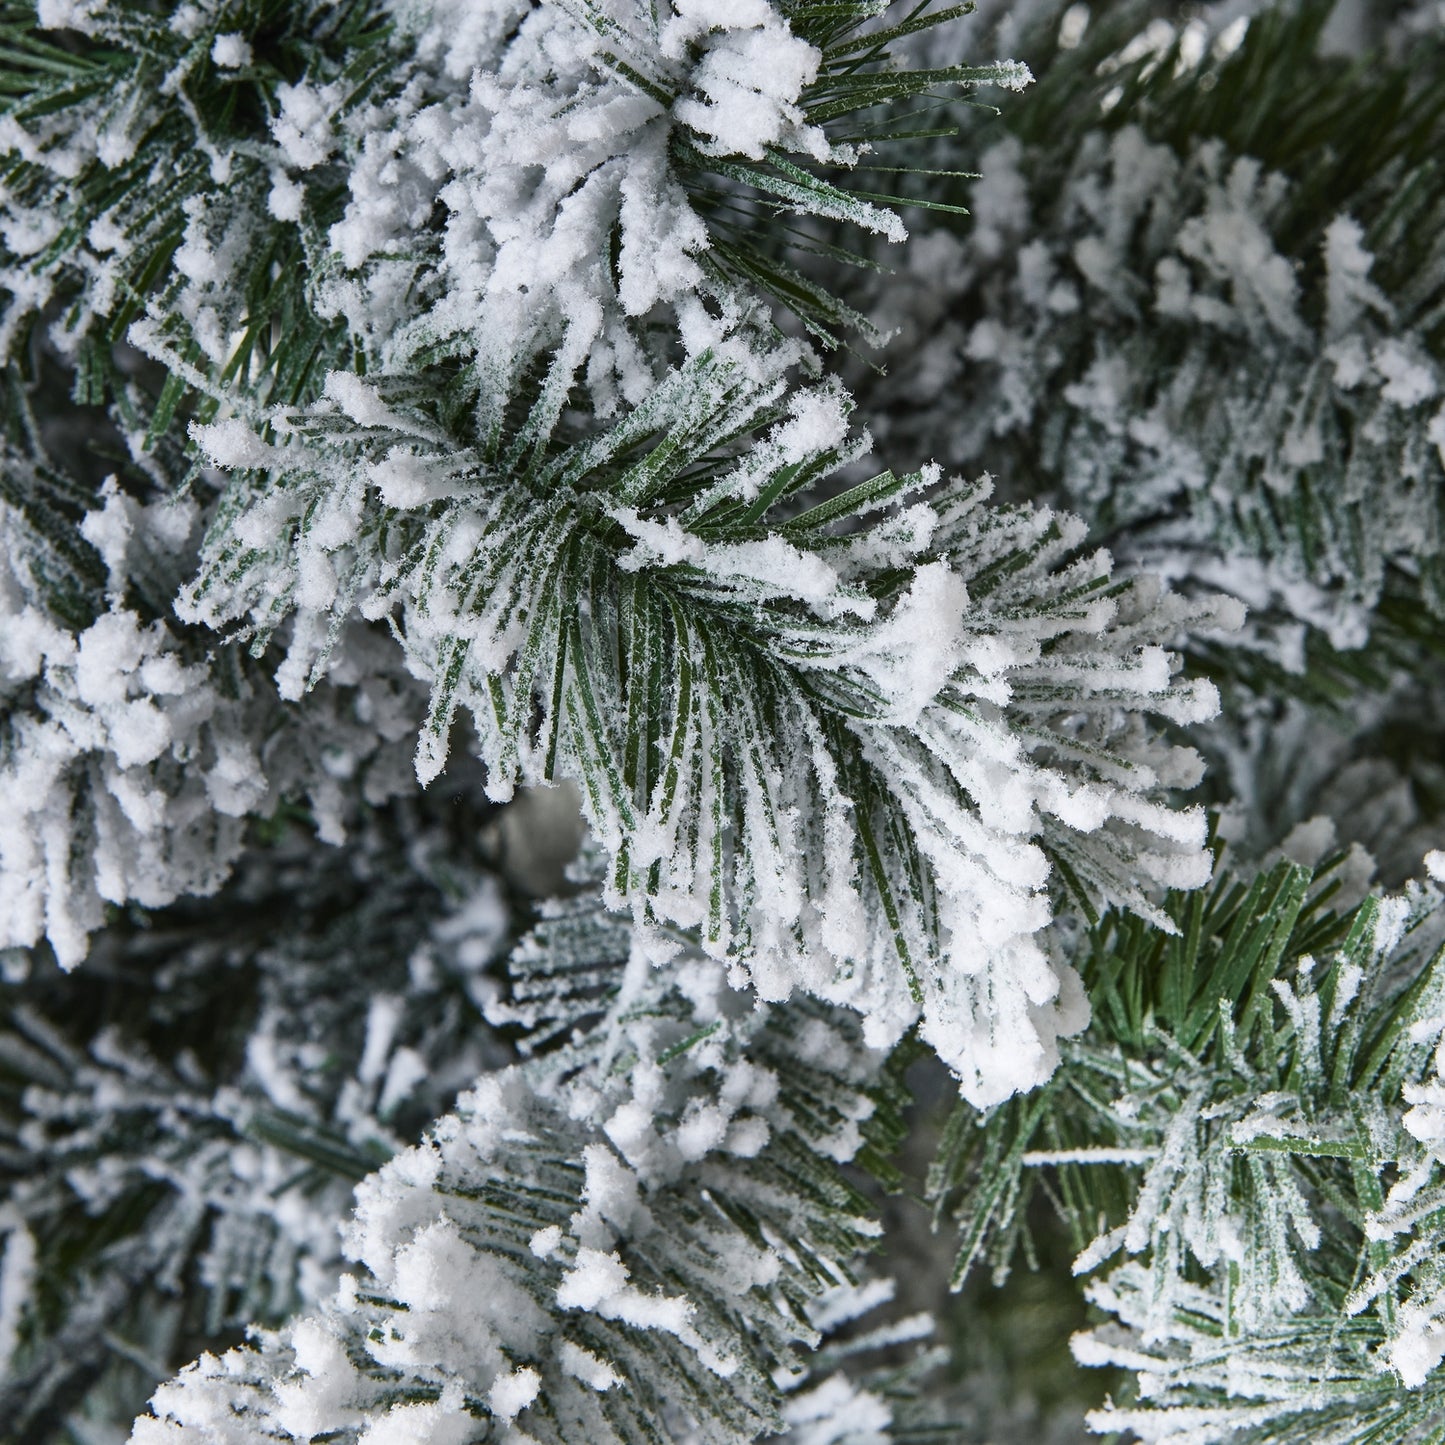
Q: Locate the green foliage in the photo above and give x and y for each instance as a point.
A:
(137, 140)
(182, 1122)
(623, 1239)
(593, 601)
(1234, 1123)
(1208, 321)
(871, 108)
(477, 341)
(1190, 1032)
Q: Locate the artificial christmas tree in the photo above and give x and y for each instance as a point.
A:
(416, 409)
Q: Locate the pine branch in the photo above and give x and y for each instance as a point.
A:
(621, 1240)
(1232, 1124)
(605, 192)
(1209, 323)
(183, 1121)
(136, 161)
(484, 344)
(790, 717)
(131, 755)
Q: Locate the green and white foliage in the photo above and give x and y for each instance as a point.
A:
(628, 1238)
(956, 699)
(157, 1193)
(586, 177)
(1359, 765)
(1211, 332)
(130, 754)
(845, 736)
(245, 176)
(1360, 1359)
(94, 700)
(1244, 1138)
(847, 1398)
(138, 163)
(409, 403)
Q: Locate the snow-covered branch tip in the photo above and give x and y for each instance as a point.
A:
(155, 1170)
(857, 743)
(1275, 1272)
(1125, 287)
(621, 1241)
(130, 758)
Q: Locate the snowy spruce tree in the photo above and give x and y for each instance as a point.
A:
(721, 719)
